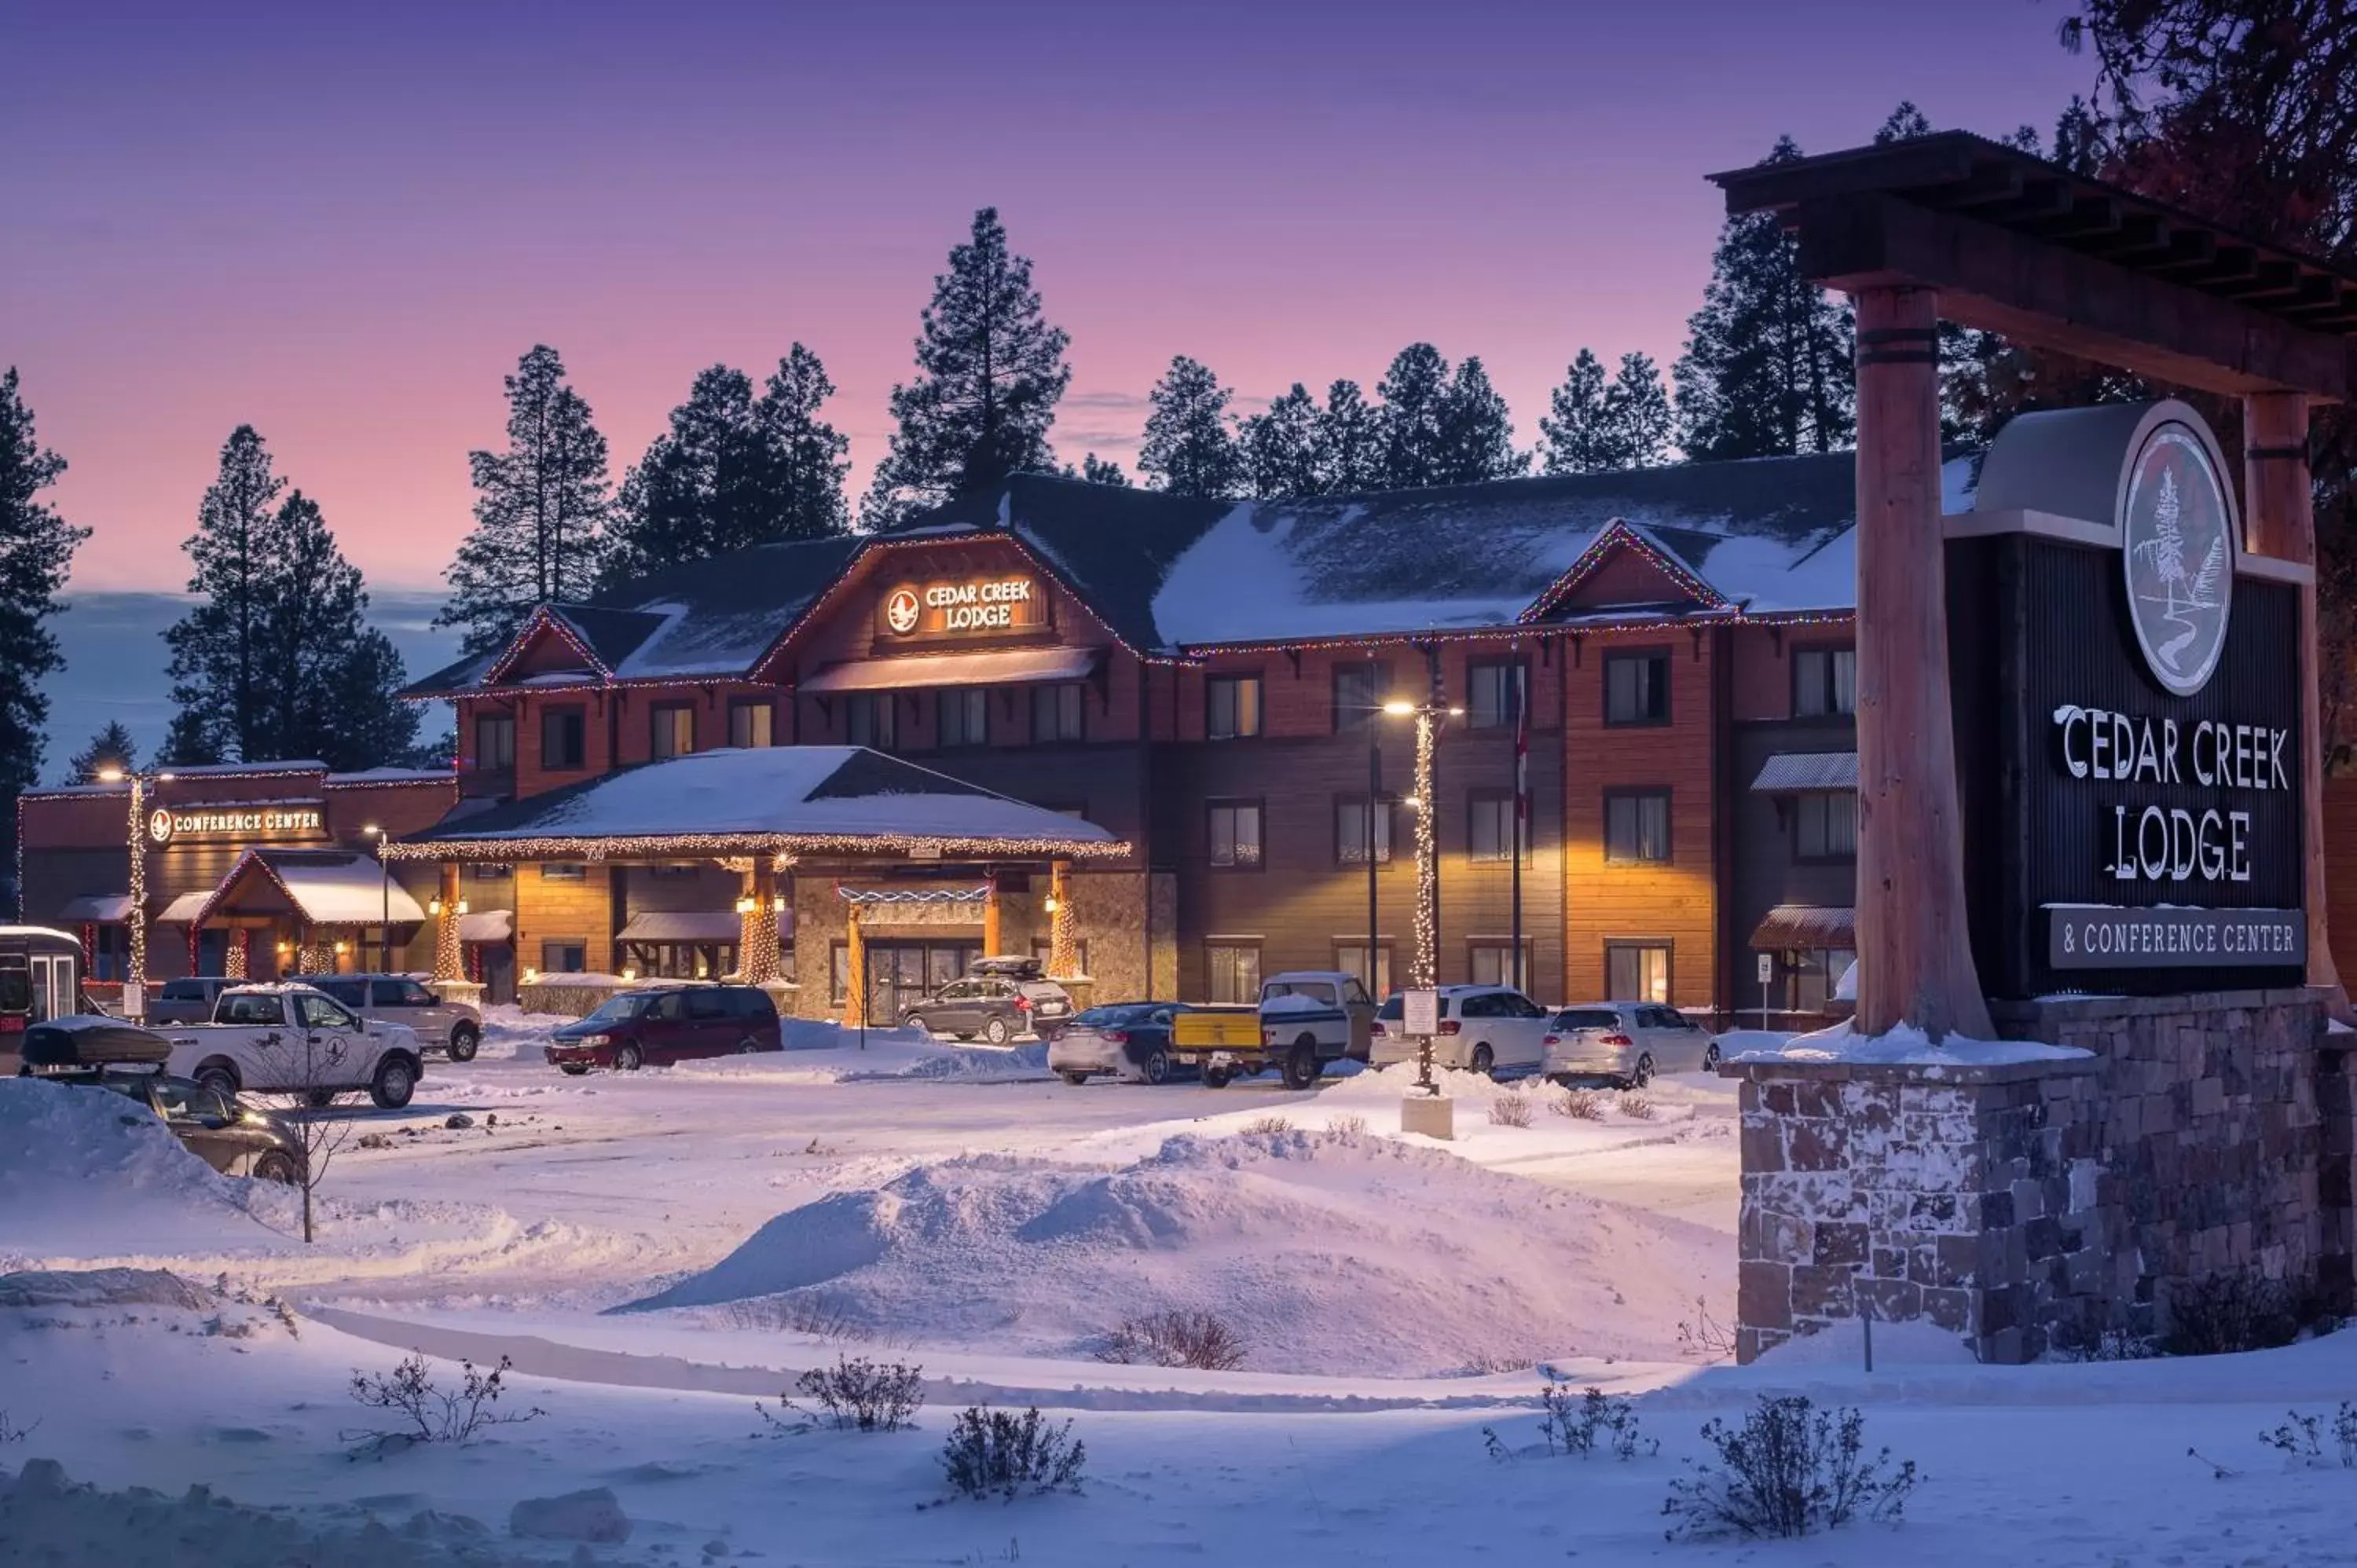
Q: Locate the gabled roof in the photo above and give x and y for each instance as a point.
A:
(325, 887)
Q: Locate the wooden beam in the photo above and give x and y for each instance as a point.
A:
(2053, 297)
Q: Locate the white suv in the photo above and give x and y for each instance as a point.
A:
(1630, 1041)
(1482, 1029)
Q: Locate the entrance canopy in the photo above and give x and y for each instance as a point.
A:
(1012, 667)
(319, 887)
(764, 800)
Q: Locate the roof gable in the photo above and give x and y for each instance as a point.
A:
(1626, 567)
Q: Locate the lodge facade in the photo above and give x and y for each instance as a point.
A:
(1187, 697)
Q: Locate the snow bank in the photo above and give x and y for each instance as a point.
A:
(1327, 1253)
(1906, 1046)
(71, 1152)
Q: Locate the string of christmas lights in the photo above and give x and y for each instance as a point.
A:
(1426, 968)
(660, 845)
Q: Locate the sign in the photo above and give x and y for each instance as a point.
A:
(1420, 1013)
(2080, 936)
(2177, 551)
(165, 826)
(963, 608)
(1766, 969)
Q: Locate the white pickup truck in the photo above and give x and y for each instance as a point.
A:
(296, 1039)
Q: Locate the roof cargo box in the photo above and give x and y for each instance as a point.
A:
(89, 1040)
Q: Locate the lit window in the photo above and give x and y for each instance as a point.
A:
(1232, 706)
(1234, 971)
(1350, 958)
(751, 722)
(1351, 824)
(1494, 964)
(1637, 971)
(1235, 835)
(1637, 827)
(674, 732)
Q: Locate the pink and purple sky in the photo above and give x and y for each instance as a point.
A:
(343, 224)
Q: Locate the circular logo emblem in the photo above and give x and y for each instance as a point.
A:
(2179, 552)
(159, 825)
(900, 610)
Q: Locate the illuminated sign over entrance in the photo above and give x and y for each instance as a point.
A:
(213, 823)
(977, 606)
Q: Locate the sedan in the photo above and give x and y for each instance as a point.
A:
(1121, 1039)
(229, 1135)
(1629, 1041)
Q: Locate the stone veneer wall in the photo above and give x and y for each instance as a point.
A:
(2035, 1205)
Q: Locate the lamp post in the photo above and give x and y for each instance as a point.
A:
(135, 973)
(1425, 972)
(385, 888)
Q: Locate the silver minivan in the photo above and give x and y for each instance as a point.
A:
(1630, 1041)
(454, 1027)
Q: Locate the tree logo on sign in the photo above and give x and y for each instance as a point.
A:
(900, 610)
(159, 825)
(2179, 552)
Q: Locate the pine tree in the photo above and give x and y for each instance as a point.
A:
(1096, 470)
(37, 548)
(1188, 449)
(1637, 411)
(1768, 365)
(1349, 455)
(1575, 436)
(1476, 431)
(217, 653)
(990, 373)
(1280, 447)
(540, 509)
(1906, 124)
(805, 458)
(696, 493)
(112, 749)
(1415, 393)
(329, 677)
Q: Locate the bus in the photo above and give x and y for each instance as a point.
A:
(40, 978)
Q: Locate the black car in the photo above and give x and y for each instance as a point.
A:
(1122, 1039)
(997, 1001)
(227, 1133)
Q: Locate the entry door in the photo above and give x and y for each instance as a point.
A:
(54, 991)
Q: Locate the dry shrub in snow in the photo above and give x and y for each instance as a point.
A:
(1579, 1104)
(1706, 1336)
(1268, 1126)
(1175, 1338)
(858, 1395)
(995, 1451)
(820, 1317)
(1347, 1127)
(2226, 1314)
(434, 1414)
(1636, 1107)
(2302, 1437)
(1509, 1109)
(10, 1432)
(1790, 1469)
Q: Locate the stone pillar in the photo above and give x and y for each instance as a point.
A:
(854, 969)
(1063, 946)
(990, 929)
(2279, 521)
(757, 943)
(449, 966)
(1914, 953)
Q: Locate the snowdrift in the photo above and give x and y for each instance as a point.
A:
(1329, 1253)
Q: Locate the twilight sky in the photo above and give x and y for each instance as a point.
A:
(342, 224)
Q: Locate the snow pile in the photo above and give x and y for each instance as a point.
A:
(90, 1151)
(828, 1052)
(1907, 1045)
(510, 1033)
(1327, 1253)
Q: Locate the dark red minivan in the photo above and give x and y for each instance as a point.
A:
(661, 1024)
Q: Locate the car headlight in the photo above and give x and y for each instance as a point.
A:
(590, 1040)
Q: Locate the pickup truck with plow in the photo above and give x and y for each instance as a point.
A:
(1306, 1019)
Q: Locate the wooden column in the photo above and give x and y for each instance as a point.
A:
(1914, 950)
(449, 957)
(854, 968)
(2279, 521)
(1063, 950)
(990, 932)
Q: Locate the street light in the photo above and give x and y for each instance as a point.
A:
(134, 974)
(384, 885)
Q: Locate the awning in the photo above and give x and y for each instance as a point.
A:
(1800, 772)
(96, 909)
(1806, 926)
(183, 910)
(325, 887)
(1004, 667)
(488, 926)
(683, 926)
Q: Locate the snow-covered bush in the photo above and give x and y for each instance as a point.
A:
(1347, 1127)
(1636, 1107)
(1267, 1126)
(858, 1395)
(2226, 1314)
(997, 1451)
(1510, 1110)
(1579, 1104)
(434, 1414)
(1175, 1338)
(1790, 1469)
(2302, 1437)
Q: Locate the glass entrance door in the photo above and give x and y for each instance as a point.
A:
(55, 992)
(900, 974)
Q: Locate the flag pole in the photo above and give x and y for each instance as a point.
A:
(1519, 676)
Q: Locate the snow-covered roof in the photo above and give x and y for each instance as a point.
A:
(1801, 772)
(1806, 926)
(487, 925)
(682, 926)
(743, 800)
(97, 909)
(368, 776)
(183, 910)
(325, 887)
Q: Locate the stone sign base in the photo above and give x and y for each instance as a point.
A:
(2037, 1207)
(1434, 1115)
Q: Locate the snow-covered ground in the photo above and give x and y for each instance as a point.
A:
(656, 1250)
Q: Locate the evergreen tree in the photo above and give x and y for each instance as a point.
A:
(330, 678)
(37, 548)
(540, 509)
(217, 648)
(110, 749)
(698, 492)
(1415, 393)
(990, 371)
(1280, 447)
(1637, 411)
(1348, 453)
(1476, 431)
(1906, 124)
(1575, 436)
(1767, 368)
(1096, 470)
(805, 458)
(1188, 449)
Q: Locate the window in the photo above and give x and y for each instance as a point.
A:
(561, 739)
(1056, 712)
(488, 871)
(1490, 828)
(1493, 963)
(868, 720)
(323, 1013)
(1359, 692)
(563, 871)
(965, 718)
(752, 722)
(1350, 958)
(1812, 975)
(707, 1006)
(388, 994)
(1235, 835)
(1637, 971)
(1235, 971)
(675, 731)
(1494, 692)
(1636, 827)
(1825, 827)
(1350, 827)
(1044, 949)
(495, 743)
(1232, 706)
(569, 956)
(1824, 681)
(1636, 688)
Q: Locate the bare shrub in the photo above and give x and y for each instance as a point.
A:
(822, 1317)
(2230, 1313)
(857, 1395)
(1636, 1107)
(1510, 1110)
(1491, 1363)
(1790, 1469)
(1175, 1338)
(1706, 1336)
(1573, 1426)
(1347, 1127)
(2302, 1437)
(11, 1433)
(1579, 1104)
(432, 1413)
(1268, 1126)
(997, 1451)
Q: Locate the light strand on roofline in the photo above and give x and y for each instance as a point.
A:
(641, 846)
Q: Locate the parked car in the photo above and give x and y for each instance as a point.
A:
(1119, 1040)
(455, 1028)
(1630, 1041)
(1482, 1029)
(999, 999)
(284, 1038)
(657, 1025)
(229, 1135)
(188, 1000)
